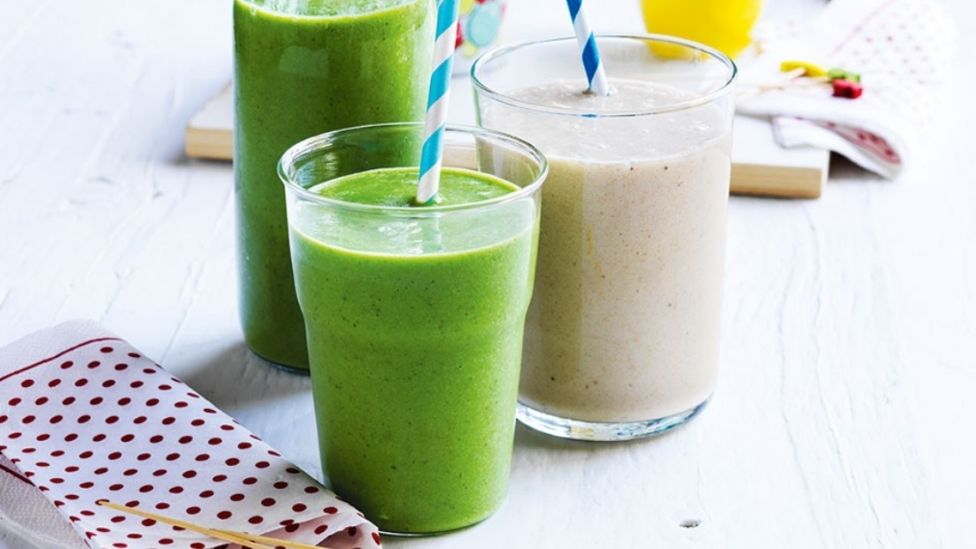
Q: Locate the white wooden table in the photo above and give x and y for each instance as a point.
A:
(843, 418)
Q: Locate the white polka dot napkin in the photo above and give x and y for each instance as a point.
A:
(85, 417)
(901, 48)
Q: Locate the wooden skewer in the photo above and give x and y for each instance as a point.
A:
(274, 541)
(224, 536)
(241, 538)
(785, 80)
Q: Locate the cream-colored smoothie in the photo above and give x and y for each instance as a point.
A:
(624, 325)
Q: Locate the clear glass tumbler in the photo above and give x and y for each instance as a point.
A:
(622, 338)
(414, 319)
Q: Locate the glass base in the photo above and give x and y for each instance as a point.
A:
(396, 534)
(294, 370)
(576, 429)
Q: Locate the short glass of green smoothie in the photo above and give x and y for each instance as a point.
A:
(414, 315)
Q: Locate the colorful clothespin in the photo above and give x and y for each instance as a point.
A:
(847, 89)
(809, 69)
(843, 74)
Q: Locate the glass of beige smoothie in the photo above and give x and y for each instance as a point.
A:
(622, 337)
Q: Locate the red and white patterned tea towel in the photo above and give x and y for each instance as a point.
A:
(901, 48)
(85, 417)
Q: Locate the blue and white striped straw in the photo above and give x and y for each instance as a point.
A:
(437, 97)
(595, 74)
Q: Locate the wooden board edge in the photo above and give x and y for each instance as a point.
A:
(210, 144)
(747, 179)
(777, 181)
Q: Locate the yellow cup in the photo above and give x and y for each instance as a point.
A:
(723, 24)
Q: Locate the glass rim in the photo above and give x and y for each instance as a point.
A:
(278, 13)
(321, 141)
(705, 99)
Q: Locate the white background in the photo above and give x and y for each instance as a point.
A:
(844, 415)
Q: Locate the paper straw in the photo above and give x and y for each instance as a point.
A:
(437, 97)
(595, 74)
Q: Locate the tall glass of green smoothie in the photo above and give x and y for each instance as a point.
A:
(303, 68)
(414, 315)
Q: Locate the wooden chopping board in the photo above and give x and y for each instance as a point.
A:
(759, 165)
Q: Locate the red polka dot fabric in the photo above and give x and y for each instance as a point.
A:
(85, 417)
(902, 50)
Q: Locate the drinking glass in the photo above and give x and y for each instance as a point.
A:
(414, 319)
(622, 338)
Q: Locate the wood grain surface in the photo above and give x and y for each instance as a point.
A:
(843, 413)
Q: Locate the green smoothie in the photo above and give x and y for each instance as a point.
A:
(415, 341)
(303, 68)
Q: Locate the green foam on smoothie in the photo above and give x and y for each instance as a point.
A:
(400, 231)
(398, 187)
(327, 8)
